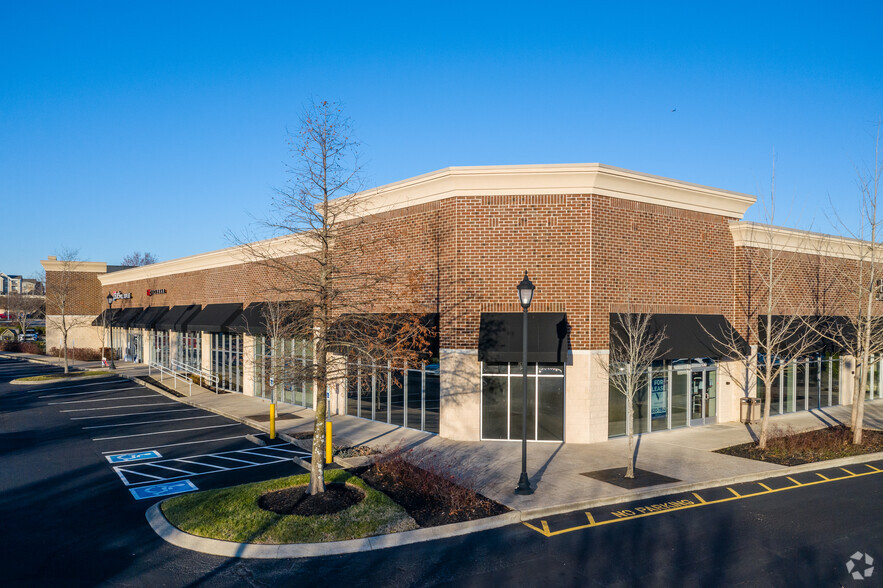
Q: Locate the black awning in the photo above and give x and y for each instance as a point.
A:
(104, 319)
(148, 318)
(214, 318)
(809, 334)
(254, 318)
(500, 337)
(177, 318)
(690, 336)
(126, 316)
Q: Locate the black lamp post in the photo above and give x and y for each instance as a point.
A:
(525, 295)
(110, 316)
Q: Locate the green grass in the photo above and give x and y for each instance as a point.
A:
(232, 514)
(67, 375)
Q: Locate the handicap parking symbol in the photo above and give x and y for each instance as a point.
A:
(127, 457)
(158, 490)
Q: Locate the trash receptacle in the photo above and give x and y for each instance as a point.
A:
(749, 412)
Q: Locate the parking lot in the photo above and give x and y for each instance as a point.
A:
(154, 445)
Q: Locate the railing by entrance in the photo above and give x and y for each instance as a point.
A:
(184, 373)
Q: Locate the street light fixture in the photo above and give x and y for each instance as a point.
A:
(525, 296)
(110, 316)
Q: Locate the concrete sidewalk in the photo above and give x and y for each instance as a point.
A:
(555, 469)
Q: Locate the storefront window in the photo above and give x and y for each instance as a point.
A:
(227, 361)
(502, 401)
(399, 394)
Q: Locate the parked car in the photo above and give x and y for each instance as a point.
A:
(29, 335)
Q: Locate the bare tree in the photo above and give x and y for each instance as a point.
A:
(61, 290)
(634, 345)
(861, 333)
(346, 276)
(137, 259)
(23, 309)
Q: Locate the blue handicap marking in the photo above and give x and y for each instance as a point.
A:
(127, 457)
(158, 490)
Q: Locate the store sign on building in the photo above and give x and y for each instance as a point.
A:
(153, 291)
(121, 296)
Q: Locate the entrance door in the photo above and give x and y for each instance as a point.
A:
(703, 397)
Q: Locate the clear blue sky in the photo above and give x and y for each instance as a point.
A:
(160, 126)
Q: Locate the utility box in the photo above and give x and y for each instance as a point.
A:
(749, 411)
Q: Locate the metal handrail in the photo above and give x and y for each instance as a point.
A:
(175, 375)
(203, 373)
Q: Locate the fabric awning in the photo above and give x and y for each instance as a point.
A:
(690, 336)
(148, 317)
(126, 316)
(177, 318)
(254, 318)
(214, 318)
(500, 337)
(105, 317)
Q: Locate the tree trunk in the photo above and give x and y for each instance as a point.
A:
(630, 469)
(64, 344)
(317, 464)
(767, 405)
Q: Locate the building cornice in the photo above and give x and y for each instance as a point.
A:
(761, 236)
(578, 178)
(53, 265)
(276, 247)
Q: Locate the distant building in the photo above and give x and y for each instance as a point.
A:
(10, 284)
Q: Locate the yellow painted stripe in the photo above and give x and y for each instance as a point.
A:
(821, 476)
(764, 486)
(547, 533)
(734, 492)
(847, 471)
(873, 468)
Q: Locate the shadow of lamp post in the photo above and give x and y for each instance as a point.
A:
(525, 296)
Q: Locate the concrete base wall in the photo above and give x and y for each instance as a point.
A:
(82, 334)
(460, 380)
(248, 365)
(585, 397)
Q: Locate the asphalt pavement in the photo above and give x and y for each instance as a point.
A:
(70, 518)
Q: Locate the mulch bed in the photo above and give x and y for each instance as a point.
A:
(426, 510)
(788, 448)
(296, 501)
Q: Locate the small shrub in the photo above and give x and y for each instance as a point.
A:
(431, 475)
(33, 347)
(14, 346)
(80, 353)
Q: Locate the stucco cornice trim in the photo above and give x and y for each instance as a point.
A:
(761, 236)
(578, 178)
(276, 247)
(53, 265)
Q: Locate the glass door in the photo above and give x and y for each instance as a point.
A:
(703, 397)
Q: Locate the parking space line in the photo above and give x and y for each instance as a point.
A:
(847, 471)
(210, 416)
(764, 486)
(166, 432)
(105, 399)
(113, 416)
(67, 386)
(821, 476)
(125, 480)
(175, 444)
(90, 392)
(734, 492)
(116, 407)
(796, 483)
(699, 498)
(234, 459)
(209, 465)
(156, 465)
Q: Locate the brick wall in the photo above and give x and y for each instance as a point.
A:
(85, 293)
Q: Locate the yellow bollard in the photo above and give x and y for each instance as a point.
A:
(272, 421)
(328, 458)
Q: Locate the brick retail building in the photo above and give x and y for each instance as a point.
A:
(596, 241)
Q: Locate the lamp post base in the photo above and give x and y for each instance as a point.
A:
(523, 485)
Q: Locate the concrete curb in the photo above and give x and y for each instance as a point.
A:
(173, 535)
(547, 511)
